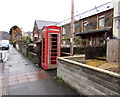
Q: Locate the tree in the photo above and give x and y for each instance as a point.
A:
(15, 33)
(13, 28)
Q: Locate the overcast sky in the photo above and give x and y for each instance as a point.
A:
(23, 13)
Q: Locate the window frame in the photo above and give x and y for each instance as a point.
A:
(101, 21)
(85, 24)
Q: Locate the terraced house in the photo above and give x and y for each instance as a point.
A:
(92, 28)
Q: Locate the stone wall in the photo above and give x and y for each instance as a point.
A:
(113, 50)
(38, 50)
(24, 49)
(29, 51)
(88, 80)
(33, 57)
(31, 48)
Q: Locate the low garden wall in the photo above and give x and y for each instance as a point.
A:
(113, 50)
(24, 49)
(29, 51)
(33, 57)
(88, 80)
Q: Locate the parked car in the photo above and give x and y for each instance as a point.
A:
(5, 46)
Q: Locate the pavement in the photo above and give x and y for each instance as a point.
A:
(0, 79)
(25, 78)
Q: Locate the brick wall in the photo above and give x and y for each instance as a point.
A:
(67, 27)
(78, 26)
(92, 22)
(29, 51)
(35, 31)
(109, 18)
(33, 57)
(88, 80)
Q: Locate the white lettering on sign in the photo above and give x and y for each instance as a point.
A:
(44, 30)
(54, 29)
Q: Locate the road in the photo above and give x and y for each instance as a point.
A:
(3, 56)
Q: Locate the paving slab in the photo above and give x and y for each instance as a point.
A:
(41, 87)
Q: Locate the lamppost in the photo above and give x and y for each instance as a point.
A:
(72, 28)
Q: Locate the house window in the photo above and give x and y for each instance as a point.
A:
(85, 24)
(101, 21)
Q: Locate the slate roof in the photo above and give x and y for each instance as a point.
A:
(96, 10)
(41, 23)
(29, 33)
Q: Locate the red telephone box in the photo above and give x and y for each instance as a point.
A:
(51, 46)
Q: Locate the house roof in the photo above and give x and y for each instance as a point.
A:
(107, 29)
(96, 10)
(41, 23)
(29, 33)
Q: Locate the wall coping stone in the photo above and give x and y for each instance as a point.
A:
(87, 66)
